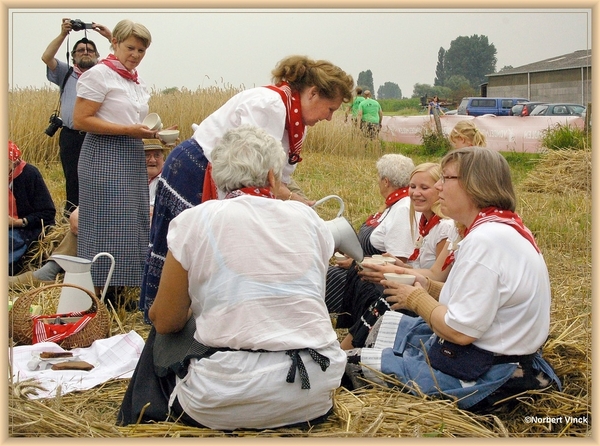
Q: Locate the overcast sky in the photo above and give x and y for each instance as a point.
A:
(194, 48)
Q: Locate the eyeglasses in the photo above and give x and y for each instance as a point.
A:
(443, 178)
(154, 155)
(85, 50)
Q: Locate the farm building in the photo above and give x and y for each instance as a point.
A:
(566, 78)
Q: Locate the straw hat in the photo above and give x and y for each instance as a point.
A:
(153, 144)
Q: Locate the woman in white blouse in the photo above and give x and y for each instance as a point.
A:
(112, 101)
(249, 271)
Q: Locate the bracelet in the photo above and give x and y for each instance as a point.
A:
(290, 197)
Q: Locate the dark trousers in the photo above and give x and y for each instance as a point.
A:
(70, 142)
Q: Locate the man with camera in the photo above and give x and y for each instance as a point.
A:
(84, 56)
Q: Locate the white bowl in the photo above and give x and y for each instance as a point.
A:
(169, 136)
(152, 121)
(370, 261)
(339, 256)
(407, 279)
(387, 259)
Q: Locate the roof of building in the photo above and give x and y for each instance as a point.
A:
(578, 59)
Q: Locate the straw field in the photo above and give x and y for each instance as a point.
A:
(554, 191)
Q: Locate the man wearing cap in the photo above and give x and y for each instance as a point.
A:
(155, 160)
(30, 206)
(84, 56)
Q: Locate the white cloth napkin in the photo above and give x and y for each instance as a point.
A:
(112, 358)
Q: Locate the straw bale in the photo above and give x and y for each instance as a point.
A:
(560, 170)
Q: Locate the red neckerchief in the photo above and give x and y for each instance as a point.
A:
(392, 198)
(113, 63)
(77, 71)
(293, 119)
(255, 191)
(209, 188)
(493, 214)
(12, 202)
(424, 228)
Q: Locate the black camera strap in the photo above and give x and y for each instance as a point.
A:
(64, 82)
(62, 88)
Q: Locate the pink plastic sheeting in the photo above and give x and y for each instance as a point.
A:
(503, 133)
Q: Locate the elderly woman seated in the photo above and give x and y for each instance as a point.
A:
(386, 231)
(243, 286)
(478, 336)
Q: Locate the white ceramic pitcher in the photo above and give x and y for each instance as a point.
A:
(346, 240)
(78, 272)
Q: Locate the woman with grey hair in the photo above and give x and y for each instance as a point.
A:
(243, 277)
(387, 231)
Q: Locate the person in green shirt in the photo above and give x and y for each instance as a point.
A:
(354, 107)
(370, 115)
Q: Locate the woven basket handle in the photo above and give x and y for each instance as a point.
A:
(25, 300)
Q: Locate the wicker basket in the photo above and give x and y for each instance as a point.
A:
(20, 322)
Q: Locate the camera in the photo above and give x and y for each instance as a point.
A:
(78, 25)
(55, 124)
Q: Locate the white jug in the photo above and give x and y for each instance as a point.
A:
(344, 235)
(78, 272)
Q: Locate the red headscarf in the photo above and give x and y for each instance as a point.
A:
(14, 155)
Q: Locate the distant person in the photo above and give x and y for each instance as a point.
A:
(434, 107)
(30, 207)
(156, 153)
(353, 109)
(265, 354)
(370, 116)
(466, 134)
(84, 56)
(304, 92)
(112, 101)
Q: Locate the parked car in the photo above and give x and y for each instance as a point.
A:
(559, 110)
(516, 109)
(524, 108)
(477, 106)
(529, 106)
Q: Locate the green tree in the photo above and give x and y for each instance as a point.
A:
(440, 70)
(472, 57)
(389, 90)
(429, 91)
(459, 87)
(365, 80)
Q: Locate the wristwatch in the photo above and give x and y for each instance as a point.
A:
(25, 222)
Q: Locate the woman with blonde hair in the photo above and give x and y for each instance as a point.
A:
(434, 230)
(112, 101)
(466, 134)
(304, 91)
